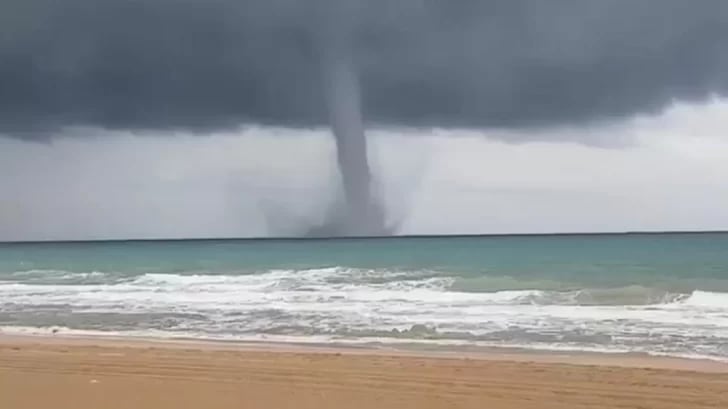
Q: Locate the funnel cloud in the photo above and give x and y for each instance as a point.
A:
(205, 66)
(360, 213)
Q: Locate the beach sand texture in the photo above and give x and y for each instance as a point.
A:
(71, 374)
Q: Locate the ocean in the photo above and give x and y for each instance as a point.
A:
(661, 294)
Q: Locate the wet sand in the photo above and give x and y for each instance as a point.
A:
(72, 373)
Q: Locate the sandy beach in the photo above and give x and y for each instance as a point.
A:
(71, 373)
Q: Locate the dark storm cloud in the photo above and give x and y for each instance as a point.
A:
(158, 64)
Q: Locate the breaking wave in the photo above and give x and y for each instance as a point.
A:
(371, 305)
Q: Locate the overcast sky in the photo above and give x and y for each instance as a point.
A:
(189, 118)
(669, 172)
(206, 65)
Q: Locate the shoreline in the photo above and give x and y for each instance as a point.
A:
(89, 373)
(494, 353)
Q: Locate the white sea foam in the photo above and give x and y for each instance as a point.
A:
(707, 299)
(354, 305)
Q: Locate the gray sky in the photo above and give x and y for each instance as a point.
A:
(205, 65)
(189, 118)
(672, 175)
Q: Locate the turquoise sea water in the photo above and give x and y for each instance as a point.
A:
(661, 294)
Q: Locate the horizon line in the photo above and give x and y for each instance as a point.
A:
(403, 236)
